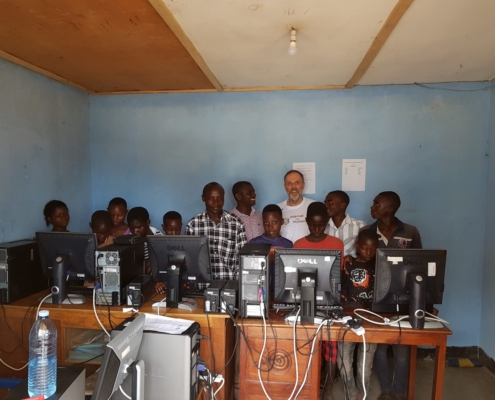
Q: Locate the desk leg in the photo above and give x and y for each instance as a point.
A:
(412, 373)
(439, 372)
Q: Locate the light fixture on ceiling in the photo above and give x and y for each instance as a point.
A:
(292, 47)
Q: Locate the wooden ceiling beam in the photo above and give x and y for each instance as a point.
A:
(22, 63)
(393, 19)
(174, 26)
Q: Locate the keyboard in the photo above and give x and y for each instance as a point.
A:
(198, 293)
(85, 291)
(289, 306)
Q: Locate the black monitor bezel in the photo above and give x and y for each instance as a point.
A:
(328, 285)
(78, 245)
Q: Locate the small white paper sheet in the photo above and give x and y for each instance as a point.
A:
(159, 323)
(354, 175)
(308, 169)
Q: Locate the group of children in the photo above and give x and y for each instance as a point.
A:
(358, 242)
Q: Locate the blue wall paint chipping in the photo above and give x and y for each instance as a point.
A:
(487, 328)
(44, 151)
(429, 145)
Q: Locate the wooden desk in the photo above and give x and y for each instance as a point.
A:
(279, 382)
(72, 319)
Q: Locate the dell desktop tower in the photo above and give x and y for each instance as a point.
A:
(117, 265)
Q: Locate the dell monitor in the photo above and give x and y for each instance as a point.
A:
(409, 281)
(67, 256)
(119, 361)
(308, 277)
(177, 260)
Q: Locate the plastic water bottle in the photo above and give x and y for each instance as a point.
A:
(42, 368)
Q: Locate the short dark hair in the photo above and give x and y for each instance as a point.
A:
(138, 214)
(101, 217)
(296, 171)
(343, 196)
(367, 234)
(118, 201)
(50, 209)
(238, 185)
(211, 185)
(272, 208)
(393, 198)
(172, 215)
(317, 209)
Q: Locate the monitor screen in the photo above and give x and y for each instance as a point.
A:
(393, 266)
(120, 353)
(291, 263)
(192, 249)
(80, 247)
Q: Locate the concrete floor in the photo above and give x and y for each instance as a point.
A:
(459, 384)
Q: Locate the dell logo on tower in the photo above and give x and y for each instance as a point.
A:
(176, 248)
(306, 261)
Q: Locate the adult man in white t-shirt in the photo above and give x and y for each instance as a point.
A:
(295, 207)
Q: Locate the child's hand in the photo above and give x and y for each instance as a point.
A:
(347, 259)
(159, 287)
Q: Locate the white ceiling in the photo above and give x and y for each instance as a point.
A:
(245, 42)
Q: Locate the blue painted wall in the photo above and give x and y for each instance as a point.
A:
(44, 151)
(487, 331)
(429, 145)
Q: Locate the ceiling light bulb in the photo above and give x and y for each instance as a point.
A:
(292, 47)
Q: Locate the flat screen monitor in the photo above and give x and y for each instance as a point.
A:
(191, 250)
(120, 354)
(292, 264)
(396, 282)
(78, 250)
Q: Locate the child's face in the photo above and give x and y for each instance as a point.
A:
(60, 218)
(172, 227)
(272, 222)
(317, 225)
(246, 196)
(101, 231)
(366, 248)
(334, 205)
(380, 208)
(138, 227)
(118, 214)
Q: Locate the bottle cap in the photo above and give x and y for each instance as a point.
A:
(44, 313)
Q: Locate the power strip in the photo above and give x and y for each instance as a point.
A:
(358, 331)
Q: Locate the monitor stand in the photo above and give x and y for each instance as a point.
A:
(317, 320)
(71, 298)
(188, 304)
(404, 324)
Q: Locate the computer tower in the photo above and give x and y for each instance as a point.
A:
(254, 279)
(170, 364)
(117, 265)
(212, 296)
(21, 273)
(228, 296)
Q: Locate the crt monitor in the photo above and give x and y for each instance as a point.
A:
(297, 268)
(410, 279)
(192, 251)
(119, 361)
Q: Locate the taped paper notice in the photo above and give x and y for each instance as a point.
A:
(432, 269)
(394, 260)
